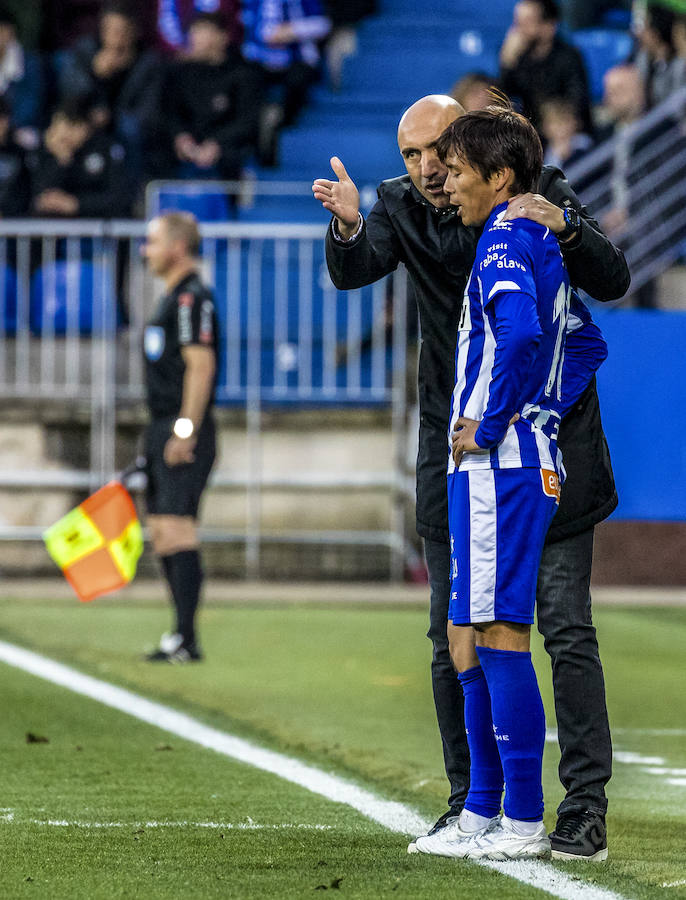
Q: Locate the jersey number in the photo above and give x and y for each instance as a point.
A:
(560, 315)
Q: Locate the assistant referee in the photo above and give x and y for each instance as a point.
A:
(181, 349)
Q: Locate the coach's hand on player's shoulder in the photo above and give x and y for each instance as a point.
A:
(536, 208)
(340, 197)
(178, 451)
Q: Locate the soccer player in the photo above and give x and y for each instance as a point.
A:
(181, 348)
(503, 479)
(413, 223)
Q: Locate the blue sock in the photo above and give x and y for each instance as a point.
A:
(485, 771)
(519, 726)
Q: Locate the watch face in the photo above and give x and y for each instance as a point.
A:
(572, 218)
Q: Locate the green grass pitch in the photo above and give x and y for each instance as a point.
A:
(111, 807)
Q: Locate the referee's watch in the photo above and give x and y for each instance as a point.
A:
(572, 224)
(183, 428)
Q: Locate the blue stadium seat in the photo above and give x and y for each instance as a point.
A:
(406, 76)
(370, 154)
(206, 206)
(601, 48)
(280, 363)
(8, 301)
(282, 209)
(68, 296)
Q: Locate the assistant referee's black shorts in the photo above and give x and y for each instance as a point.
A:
(176, 490)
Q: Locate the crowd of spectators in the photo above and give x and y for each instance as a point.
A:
(545, 76)
(97, 97)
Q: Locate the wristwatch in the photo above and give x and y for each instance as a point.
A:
(572, 224)
(183, 428)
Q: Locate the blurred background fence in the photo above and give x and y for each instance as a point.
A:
(75, 299)
(316, 387)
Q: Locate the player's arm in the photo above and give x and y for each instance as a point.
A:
(585, 352)
(517, 334)
(358, 252)
(594, 263)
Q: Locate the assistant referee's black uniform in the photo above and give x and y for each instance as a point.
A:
(186, 316)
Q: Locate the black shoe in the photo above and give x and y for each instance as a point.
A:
(580, 834)
(186, 653)
(156, 656)
(174, 649)
(445, 819)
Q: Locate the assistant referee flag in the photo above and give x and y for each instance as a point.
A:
(97, 544)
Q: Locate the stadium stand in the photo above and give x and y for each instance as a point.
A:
(291, 339)
(71, 295)
(601, 49)
(8, 302)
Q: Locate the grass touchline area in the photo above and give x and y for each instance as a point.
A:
(389, 814)
(343, 689)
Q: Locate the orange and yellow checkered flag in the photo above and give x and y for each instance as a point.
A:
(97, 544)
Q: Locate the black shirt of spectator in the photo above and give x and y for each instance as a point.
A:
(218, 102)
(96, 176)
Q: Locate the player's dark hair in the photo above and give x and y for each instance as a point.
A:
(494, 139)
(183, 226)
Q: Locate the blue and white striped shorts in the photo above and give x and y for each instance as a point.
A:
(498, 522)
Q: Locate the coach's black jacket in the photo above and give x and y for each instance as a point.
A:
(438, 251)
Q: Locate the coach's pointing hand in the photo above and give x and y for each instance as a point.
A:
(340, 197)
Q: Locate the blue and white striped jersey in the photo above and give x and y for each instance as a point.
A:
(511, 344)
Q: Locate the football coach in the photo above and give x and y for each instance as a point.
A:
(413, 223)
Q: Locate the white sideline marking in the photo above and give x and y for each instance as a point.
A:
(223, 826)
(625, 756)
(674, 883)
(652, 732)
(394, 816)
(665, 771)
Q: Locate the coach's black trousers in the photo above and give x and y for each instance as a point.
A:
(563, 604)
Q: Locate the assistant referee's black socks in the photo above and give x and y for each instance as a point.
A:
(184, 574)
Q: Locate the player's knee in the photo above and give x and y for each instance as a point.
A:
(462, 647)
(504, 635)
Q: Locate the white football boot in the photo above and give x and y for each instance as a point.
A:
(451, 841)
(503, 842)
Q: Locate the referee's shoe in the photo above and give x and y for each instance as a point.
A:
(174, 649)
(580, 834)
